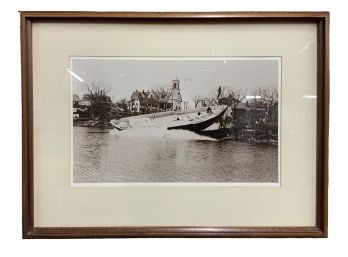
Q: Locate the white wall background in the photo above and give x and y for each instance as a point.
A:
(11, 243)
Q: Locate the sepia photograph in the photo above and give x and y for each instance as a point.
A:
(175, 120)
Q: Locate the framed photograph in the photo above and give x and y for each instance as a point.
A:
(175, 124)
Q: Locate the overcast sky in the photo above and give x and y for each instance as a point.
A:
(197, 77)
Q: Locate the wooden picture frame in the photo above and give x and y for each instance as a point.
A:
(320, 19)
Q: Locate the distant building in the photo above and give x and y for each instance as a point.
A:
(229, 100)
(85, 103)
(83, 108)
(175, 98)
(80, 107)
(134, 102)
(143, 101)
(249, 113)
(76, 101)
(148, 102)
(164, 102)
(274, 113)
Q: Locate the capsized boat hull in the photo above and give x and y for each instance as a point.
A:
(199, 125)
(217, 133)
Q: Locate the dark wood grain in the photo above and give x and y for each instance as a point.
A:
(322, 124)
(176, 15)
(27, 127)
(135, 232)
(321, 19)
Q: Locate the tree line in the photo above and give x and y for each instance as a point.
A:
(100, 101)
(264, 97)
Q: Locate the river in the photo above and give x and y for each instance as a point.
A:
(158, 155)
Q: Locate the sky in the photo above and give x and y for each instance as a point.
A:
(201, 76)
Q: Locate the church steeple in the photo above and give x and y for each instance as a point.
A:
(176, 84)
(175, 96)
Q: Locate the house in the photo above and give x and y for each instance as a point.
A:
(98, 107)
(76, 101)
(143, 101)
(149, 102)
(273, 113)
(227, 100)
(134, 102)
(80, 107)
(251, 113)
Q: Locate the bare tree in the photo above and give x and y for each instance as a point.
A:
(122, 104)
(197, 99)
(269, 98)
(237, 96)
(221, 92)
(216, 95)
(161, 90)
(210, 100)
(255, 95)
(98, 98)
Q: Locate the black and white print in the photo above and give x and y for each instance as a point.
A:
(175, 120)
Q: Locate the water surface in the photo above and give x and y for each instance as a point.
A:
(159, 155)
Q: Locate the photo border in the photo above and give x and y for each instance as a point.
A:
(203, 58)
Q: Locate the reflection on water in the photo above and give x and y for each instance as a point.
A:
(159, 155)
